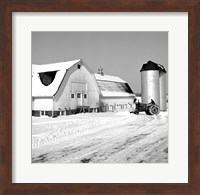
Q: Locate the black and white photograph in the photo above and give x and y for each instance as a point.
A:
(99, 97)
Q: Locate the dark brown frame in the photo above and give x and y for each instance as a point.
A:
(9, 6)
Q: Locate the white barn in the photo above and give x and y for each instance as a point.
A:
(69, 87)
(115, 93)
(62, 87)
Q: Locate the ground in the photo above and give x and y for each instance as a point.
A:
(114, 137)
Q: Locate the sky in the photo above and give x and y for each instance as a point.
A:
(120, 54)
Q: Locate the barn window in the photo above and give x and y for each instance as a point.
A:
(79, 66)
(85, 96)
(78, 95)
(72, 95)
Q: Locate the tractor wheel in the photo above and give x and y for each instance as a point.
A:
(147, 112)
(154, 110)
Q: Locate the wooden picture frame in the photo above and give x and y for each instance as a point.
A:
(6, 10)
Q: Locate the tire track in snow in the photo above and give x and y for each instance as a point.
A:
(66, 131)
(114, 142)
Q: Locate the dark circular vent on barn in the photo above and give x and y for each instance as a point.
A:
(47, 77)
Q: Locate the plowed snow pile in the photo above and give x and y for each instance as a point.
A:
(101, 138)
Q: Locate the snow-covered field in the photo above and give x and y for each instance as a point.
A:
(112, 137)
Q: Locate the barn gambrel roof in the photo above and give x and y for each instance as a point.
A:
(109, 86)
(38, 88)
(53, 66)
(113, 86)
(109, 78)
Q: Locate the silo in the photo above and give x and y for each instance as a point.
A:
(150, 86)
(163, 91)
(153, 84)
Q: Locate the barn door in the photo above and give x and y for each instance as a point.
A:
(80, 91)
(79, 99)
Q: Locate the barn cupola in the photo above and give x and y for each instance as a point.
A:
(100, 71)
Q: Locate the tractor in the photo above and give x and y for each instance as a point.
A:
(150, 108)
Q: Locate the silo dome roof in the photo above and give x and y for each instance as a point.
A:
(152, 66)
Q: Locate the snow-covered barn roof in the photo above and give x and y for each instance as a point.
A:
(116, 94)
(53, 66)
(108, 78)
(38, 88)
(113, 86)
